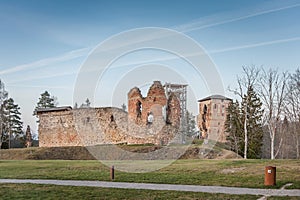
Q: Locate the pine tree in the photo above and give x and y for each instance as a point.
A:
(88, 103)
(245, 116)
(12, 120)
(28, 137)
(252, 105)
(191, 124)
(234, 127)
(45, 101)
(123, 107)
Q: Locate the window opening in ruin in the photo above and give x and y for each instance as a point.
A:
(204, 117)
(139, 109)
(154, 99)
(215, 106)
(204, 113)
(112, 119)
(164, 112)
(150, 118)
(88, 119)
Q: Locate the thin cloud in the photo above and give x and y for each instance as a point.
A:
(48, 61)
(197, 25)
(254, 45)
(43, 77)
(201, 23)
(40, 86)
(160, 59)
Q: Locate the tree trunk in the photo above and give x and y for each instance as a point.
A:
(236, 146)
(280, 143)
(272, 135)
(296, 134)
(297, 147)
(246, 137)
(272, 148)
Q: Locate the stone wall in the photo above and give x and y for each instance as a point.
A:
(139, 107)
(93, 126)
(212, 117)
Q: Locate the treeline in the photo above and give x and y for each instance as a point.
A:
(264, 122)
(11, 126)
(12, 134)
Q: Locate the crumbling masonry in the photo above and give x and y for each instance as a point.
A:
(212, 117)
(64, 126)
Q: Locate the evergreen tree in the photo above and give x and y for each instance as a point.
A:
(28, 137)
(87, 102)
(12, 124)
(191, 124)
(234, 127)
(45, 101)
(123, 107)
(247, 115)
(252, 105)
(75, 105)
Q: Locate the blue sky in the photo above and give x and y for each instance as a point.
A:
(44, 43)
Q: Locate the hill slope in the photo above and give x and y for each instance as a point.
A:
(81, 153)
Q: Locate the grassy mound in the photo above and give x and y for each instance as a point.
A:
(194, 151)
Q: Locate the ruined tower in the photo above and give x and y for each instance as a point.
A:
(140, 107)
(212, 116)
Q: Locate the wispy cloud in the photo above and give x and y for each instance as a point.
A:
(226, 18)
(42, 77)
(210, 21)
(247, 46)
(155, 59)
(48, 61)
(40, 86)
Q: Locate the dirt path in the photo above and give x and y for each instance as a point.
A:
(149, 186)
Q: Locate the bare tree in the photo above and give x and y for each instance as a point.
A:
(292, 107)
(3, 97)
(245, 82)
(273, 91)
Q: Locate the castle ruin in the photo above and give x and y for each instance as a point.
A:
(212, 117)
(155, 118)
(152, 119)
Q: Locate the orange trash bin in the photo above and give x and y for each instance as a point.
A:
(270, 175)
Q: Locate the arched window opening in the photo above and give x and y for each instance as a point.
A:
(150, 118)
(139, 109)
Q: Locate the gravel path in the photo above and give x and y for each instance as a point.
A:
(150, 186)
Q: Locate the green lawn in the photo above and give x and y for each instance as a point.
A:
(31, 191)
(239, 173)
